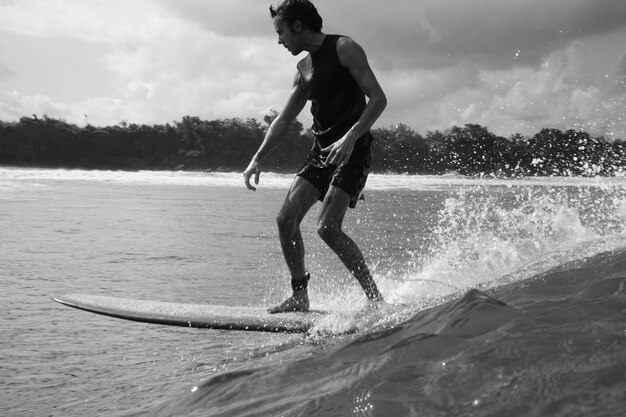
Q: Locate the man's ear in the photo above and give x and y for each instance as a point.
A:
(297, 26)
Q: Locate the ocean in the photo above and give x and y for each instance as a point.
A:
(503, 297)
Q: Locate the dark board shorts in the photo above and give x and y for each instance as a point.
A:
(349, 177)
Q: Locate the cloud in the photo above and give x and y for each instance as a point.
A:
(241, 18)
(192, 71)
(164, 67)
(448, 61)
(111, 21)
(409, 89)
(494, 33)
(13, 105)
(429, 34)
(5, 72)
(560, 93)
(512, 66)
(98, 111)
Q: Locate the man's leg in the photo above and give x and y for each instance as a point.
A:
(300, 198)
(329, 229)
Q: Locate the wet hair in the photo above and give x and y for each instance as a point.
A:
(302, 10)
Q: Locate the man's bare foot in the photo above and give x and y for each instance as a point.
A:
(299, 301)
(377, 304)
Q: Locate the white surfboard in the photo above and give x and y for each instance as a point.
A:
(193, 315)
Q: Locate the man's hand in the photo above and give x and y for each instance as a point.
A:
(253, 169)
(340, 151)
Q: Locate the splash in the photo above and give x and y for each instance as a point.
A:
(489, 232)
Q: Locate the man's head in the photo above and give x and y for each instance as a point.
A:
(292, 19)
(303, 11)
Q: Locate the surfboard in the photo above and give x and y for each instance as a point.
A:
(208, 316)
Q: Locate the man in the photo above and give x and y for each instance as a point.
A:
(336, 77)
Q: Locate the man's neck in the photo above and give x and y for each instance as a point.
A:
(313, 41)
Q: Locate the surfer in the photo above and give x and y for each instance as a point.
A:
(336, 77)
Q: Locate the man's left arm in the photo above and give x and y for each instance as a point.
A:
(353, 57)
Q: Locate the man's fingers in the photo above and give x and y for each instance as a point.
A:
(331, 157)
(253, 169)
(335, 156)
(336, 159)
(246, 178)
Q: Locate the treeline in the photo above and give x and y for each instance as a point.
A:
(191, 144)
(473, 150)
(228, 145)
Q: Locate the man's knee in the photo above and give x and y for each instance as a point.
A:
(329, 232)
(284, 219)
(287, 219)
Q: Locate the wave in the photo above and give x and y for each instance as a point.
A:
(549, 345)
(516, 309)
(515, 306)
(273, 180)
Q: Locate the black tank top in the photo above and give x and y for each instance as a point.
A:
(337, 101)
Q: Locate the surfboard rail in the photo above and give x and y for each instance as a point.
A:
(208, 316)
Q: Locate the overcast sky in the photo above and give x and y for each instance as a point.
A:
(510, 65)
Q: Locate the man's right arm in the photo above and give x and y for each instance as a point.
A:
(276, 131)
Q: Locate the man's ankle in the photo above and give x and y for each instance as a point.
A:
(300, 295)
(301, 283)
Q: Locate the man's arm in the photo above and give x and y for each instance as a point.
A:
(276, 131)
(352, 56)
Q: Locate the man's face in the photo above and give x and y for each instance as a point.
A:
(288, 36)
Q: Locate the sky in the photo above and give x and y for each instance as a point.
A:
(512, 66)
